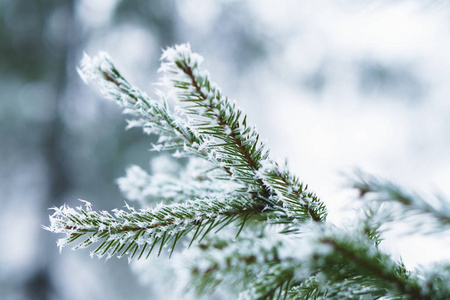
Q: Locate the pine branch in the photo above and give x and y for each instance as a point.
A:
(309, 289)
(325, 264)
(134, 232)
(371, 217)
(435, 209)
(224, 139)
(273, 284)
(156, 118)
(320, 262)
(352, 256)
(192, 183)
(331, 265)
(130, 233)
(436, 281)
(217, 130)
(233, 144)
(350, 288)
(259, 265)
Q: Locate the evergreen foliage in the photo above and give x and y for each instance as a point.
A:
(254, 225)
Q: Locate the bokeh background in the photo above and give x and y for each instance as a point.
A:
(332, 85)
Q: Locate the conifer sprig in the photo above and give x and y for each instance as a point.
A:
(156, 116)
(327, 263)
(315, 288)
(137, 232)
(216, 130)
(244, 264)
(232, 143)
(242, 185)
(191, 183)
(435, 210)
(358, 262)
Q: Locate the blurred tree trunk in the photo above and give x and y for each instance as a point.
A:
(40, 284)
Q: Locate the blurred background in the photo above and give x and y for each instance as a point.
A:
(332, 85)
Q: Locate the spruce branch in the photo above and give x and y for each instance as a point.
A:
(435, 280)
(241, 185)
(371, 217)
(137, 232)
(156, 117)
(273, 284)
(309, 289)
(324, 264)
(314, 288)
(259, 265)
(232, 143)
(408, 204)
(195, 181)
(352, 256)
(216, 130)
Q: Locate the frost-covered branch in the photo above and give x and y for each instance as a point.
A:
(262, 266)
(240, 185)
(137, 232)
(357, 257)
(433, 211)
(326, 263)
(195, 181)
(215, 129)
(156, 117)
(232, 143)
